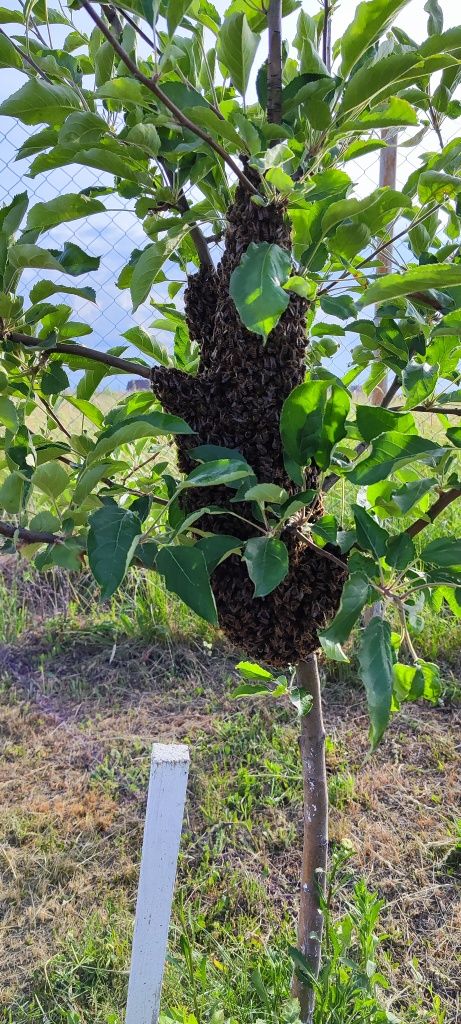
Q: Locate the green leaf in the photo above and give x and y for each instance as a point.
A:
(371, 20)
(301, 286)
(375, 211)
(25, 255)
(446, 551)
(301, 700)
(400, 551)
(206, 118)
(267, 563)
(43, 290)
(8, 16)
(354, 597)
(112, 540)
(436, 185)
(256, 286)
(392, 286)
(66, 555)
(151, 425)
(251, 670)
(313, 420)
(267, 492)
(175, 12)
(370, 535)
(237, 45)
(147, 268)
(103, 63)
(222, 471)
(387, 76)
(418, 382)
(83, 129)
(372, 420)
(218, 547)
(11, 493)
(396, 112)
(51, 478)
(68, 207)
(75, 261)
(9, 56)
(375, 661)
(412, 492)
(126, 91)
(389, 452)
(45, 522)
(41, 103)
(12, 214)
(8, 414)
(146, 137)
(411, 682)
(334, 652)
(252, 690)
(435, 19)
(54, 379)
(89, 478)
(186, 574)
(454, 435)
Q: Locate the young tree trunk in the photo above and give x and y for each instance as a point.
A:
(315, 844)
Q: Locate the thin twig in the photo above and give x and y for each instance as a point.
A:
(326, 35)
(53, 416)
(435, 510)
(444, 410)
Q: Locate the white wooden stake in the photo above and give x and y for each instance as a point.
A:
(162, 834)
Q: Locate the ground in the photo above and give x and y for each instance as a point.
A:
(84, 693)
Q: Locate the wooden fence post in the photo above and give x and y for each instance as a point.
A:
(162, 835)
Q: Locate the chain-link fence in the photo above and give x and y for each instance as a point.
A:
(113, 235)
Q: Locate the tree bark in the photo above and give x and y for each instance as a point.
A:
(315, 844)
(274, 69)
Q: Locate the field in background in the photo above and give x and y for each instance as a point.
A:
(85, 691)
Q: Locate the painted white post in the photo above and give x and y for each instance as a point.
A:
(162, 835)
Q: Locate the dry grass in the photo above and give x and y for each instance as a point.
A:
(79, 709)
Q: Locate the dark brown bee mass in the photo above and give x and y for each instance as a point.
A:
(235, 401)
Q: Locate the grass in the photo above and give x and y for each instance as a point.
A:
(85, 691)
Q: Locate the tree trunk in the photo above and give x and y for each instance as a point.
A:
(274, 66)
(315, 844)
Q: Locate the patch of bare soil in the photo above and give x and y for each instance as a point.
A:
(67, 844)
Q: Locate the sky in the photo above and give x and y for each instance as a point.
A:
(114, 234)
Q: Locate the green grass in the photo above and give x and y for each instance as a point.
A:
(232, 927)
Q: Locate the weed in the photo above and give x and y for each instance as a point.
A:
(84, 981)
(124, 772)
(14, 616)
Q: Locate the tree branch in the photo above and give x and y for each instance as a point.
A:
(274, 67)
(28, 536)
(152, 85)
(326, 35)
(124, 365)
(390, 393)
(439, 506)
(196, 233)
(442, 409)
